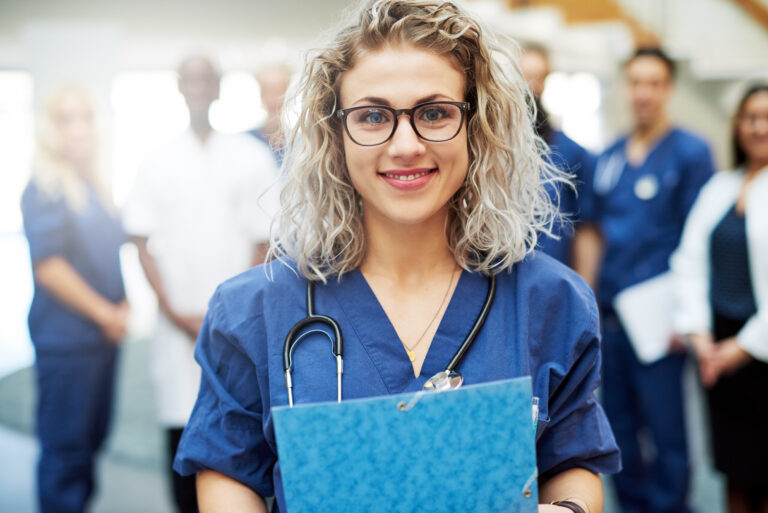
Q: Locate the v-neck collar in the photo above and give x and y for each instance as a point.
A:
(660, 142)
(378, 337)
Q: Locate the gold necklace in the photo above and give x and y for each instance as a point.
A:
(410, 350)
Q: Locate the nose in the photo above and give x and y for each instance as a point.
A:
(405, 143)
(761, 124)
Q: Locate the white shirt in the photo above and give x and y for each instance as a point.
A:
(202, 206)
(690, 263)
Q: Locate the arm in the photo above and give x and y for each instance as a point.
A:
(224, 443)
(190, 324)
(57, 276)
(588, 253)
(575, 485)
(588, 245)
(217, 493)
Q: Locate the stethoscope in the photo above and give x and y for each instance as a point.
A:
(447, 379)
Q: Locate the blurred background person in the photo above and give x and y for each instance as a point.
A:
(195, 216)
(273, 83)
(644, 186)
(721, 271)
(565, 153)
(78, 315)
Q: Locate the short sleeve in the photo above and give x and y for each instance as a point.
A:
(140, 213)
(585, 200)
(225, 432)
(47, 223)
(577, 432)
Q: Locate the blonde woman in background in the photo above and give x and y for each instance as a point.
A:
(413, 177)
(78, 314)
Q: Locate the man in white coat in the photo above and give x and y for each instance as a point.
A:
(199, 214)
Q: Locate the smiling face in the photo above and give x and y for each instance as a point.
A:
(752, 128)
(72, 118)
(648, 86)
(406, 180)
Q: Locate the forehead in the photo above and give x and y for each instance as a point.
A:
(71, 101)
(647, 67)
(402, 74)
(756, 101)
(196, 67)
(534, 60)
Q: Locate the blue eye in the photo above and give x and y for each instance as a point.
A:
(375, 117)
(372, 117)
(433, 114)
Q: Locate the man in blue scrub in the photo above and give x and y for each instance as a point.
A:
(566, 154)
(644, 186)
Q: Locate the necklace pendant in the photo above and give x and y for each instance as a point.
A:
(411, 354)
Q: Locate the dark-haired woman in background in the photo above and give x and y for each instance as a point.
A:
(722, 271)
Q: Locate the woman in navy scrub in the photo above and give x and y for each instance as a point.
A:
(399, 216)
(721, 268)
(78, 313)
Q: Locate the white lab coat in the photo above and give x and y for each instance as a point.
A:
(202, 207)
(690, 263)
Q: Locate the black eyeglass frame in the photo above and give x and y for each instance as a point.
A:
(342, 114)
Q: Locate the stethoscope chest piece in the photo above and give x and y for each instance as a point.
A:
(443, 380)
(646, 187)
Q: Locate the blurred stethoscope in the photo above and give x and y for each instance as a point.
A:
(447, 379)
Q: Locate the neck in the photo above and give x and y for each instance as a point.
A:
(755, 166)
(407, 253)
(201, 127)
(651, 131)
(271, 127)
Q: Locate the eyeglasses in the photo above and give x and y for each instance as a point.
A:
(371, 125)
(751, 120)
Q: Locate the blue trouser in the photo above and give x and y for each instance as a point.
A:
(645, 401)
(74, 407)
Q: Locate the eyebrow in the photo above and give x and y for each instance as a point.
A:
(376, 100)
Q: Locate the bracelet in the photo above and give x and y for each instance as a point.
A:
(569, 505)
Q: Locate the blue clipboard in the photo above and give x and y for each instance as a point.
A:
(471, 449)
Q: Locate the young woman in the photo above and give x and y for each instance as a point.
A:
(78, 313)
(722, 271)
(414, 175)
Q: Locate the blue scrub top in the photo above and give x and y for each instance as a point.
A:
(568, 156)
(89, 240)
(642, 210)
(277, 153)
(543, 323)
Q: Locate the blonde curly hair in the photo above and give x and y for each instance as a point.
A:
(499, 211)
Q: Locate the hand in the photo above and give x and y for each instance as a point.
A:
(729, 357)
(189, 324)
(704, 349)
(113, 322)
(677, 344)
(553, 508)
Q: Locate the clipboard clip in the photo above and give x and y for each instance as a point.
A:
(403, 406)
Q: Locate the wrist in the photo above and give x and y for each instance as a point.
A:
(103, 313)
(571, 505)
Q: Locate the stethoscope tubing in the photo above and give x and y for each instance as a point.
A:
(477, 326)
(337, 342)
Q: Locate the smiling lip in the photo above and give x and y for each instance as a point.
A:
(408, 179)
